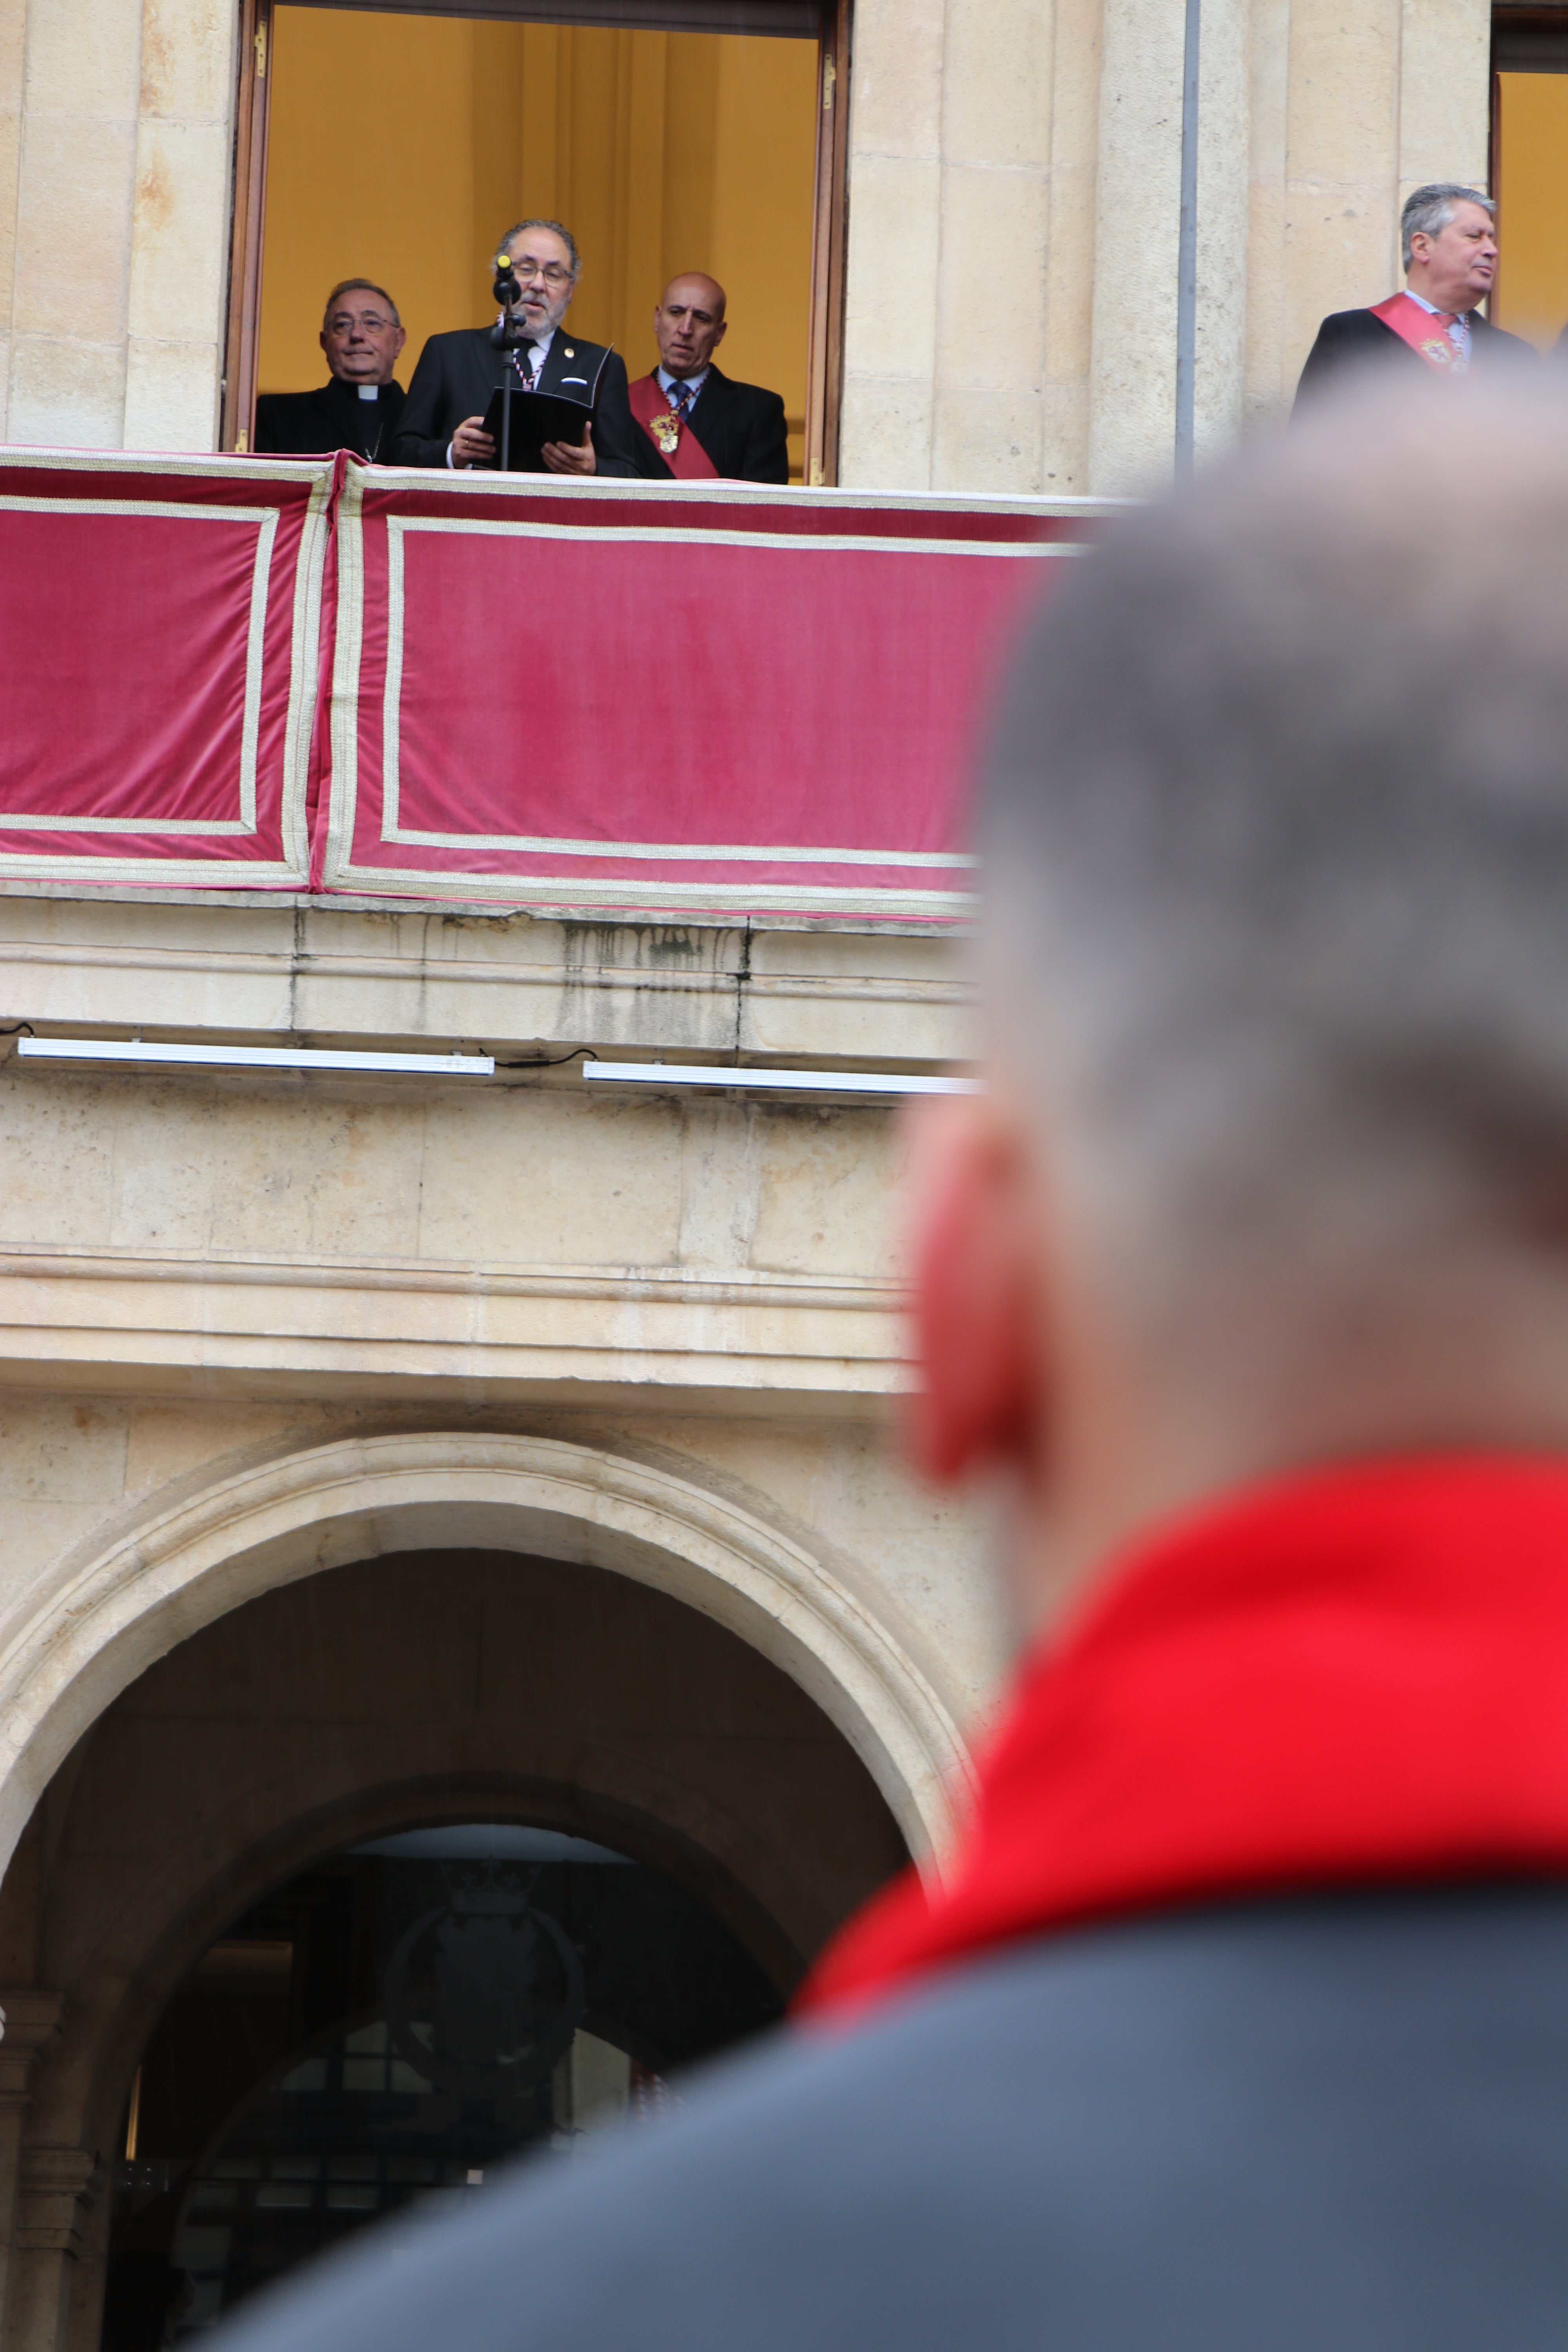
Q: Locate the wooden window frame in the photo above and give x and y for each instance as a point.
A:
(1528, 36)
(829, 237)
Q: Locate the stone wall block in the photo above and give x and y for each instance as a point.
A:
(177, 265)
(1137, 228)
(990, 442)
(1344, 90)
(1444, 93)
(996, 96)
(890, 308)
(73, 229)
(84, 58)
(1341, 244)
(66, 393)
(992, 315)
(1223, 240)
(1271, 367)
(1064, 440)
(1069, 249)
(885, 435)
(10, 164)
(172, 394)
(187, 59)
(896, 91)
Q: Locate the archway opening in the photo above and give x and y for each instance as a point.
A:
(374, 2036)
(399, 1869)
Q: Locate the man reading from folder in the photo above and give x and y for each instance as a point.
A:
(444, 419)
(695, 421)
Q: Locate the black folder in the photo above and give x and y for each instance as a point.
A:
(520, 422)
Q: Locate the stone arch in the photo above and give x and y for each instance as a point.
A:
(108, 1612)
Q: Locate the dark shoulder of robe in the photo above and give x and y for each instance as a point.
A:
(305, 424)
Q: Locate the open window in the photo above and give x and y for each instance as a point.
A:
(397, 144)
(1529, 170)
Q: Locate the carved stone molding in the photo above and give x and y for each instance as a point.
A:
(105, 1615)
(58, 2187)
(29, 2022)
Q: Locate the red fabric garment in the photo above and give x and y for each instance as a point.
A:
(1425, 331)
(1356, 1677)
(688, 461)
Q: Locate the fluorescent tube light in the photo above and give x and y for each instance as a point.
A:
(254, 1058)
(813, 1082)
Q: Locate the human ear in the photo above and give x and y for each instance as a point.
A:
(975, 1264)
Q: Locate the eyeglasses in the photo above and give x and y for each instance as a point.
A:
(551, 271)
(343, 323)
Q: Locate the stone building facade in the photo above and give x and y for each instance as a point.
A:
(1012, 218)
(379, 1455)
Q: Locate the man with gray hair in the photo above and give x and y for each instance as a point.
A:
(1239, 2018)
(458, 372)
(1451, 252)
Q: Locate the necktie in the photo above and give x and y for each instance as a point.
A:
(681, 400)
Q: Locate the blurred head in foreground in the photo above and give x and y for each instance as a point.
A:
(1274, 1165)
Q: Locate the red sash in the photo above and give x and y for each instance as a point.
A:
(1360, 1675)
(1419, 329)
(687, 460)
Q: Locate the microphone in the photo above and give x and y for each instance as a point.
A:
(506, 291)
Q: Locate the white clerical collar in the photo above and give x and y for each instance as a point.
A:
(694, 384)
(370, 392)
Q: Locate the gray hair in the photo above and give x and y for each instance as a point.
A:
(1275, 844)
(556, 229)
(359, 286)
(1428, 211)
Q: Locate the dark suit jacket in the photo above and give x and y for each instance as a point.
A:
(1351, 339)
(303, 423)
(458, 373)
(740, 427)
(1324, 2125)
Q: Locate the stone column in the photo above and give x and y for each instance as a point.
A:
(895, 244)
(1133, 367)
(1445, 92)
(74, 179)
(1132, 381)
(29, 2022)
(179, 227)
(994, 235)
(57, 2187)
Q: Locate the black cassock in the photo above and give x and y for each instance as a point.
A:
(303, 423)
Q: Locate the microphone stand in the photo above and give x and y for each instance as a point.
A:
(506, 334)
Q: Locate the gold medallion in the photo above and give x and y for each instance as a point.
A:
(665, 431)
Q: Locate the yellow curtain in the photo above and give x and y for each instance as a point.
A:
(1533, 206)
(401, 147)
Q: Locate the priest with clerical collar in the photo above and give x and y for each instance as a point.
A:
(359, 405)
(1451, 248)
(697, 422)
